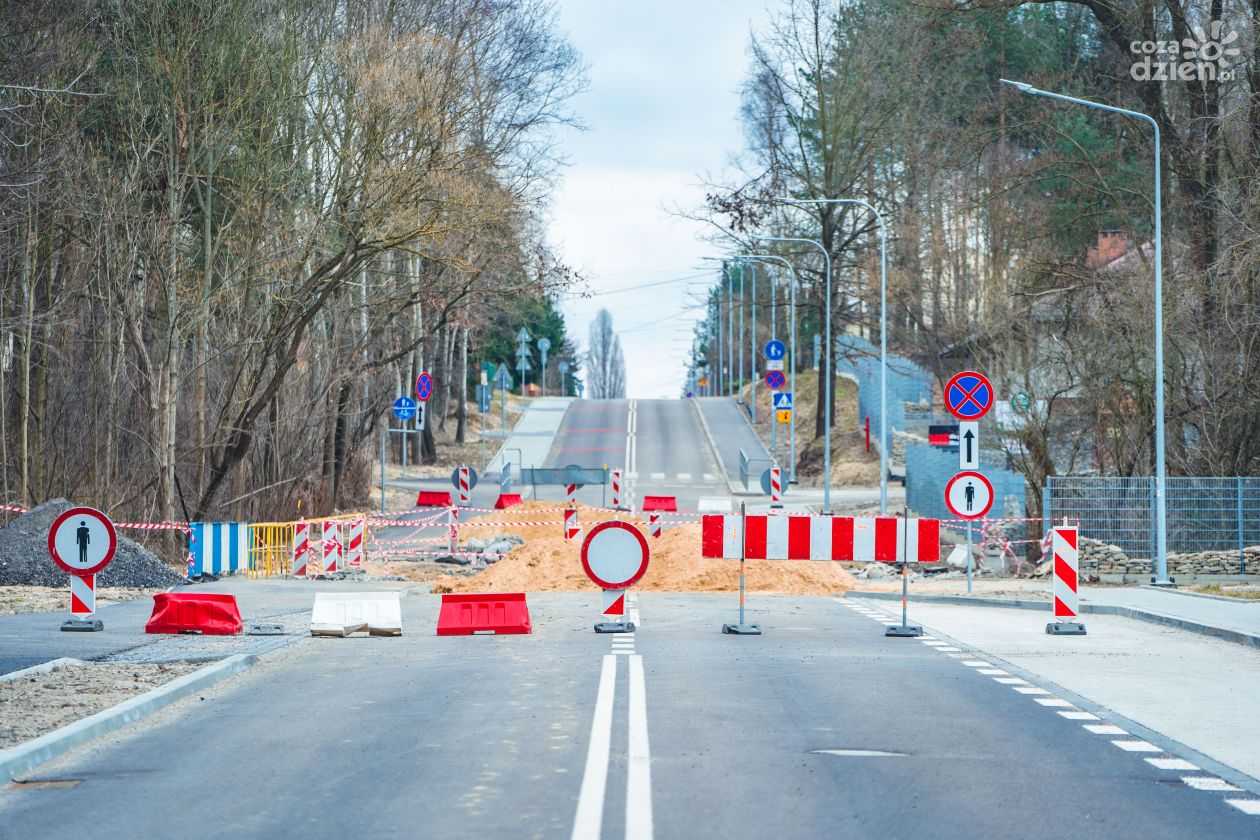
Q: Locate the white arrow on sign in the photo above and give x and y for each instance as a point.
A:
(968, 445)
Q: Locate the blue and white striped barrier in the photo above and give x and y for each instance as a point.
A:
(219, 547)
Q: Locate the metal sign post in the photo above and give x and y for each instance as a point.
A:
(544, 344)
(742, 629)
(904, 630)
(522, 356)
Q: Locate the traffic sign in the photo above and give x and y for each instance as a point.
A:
(472, 478)
(968, 395)
(424, 386)
(483, 398)
(421, 413)
(968, 445)
(503, 376)
(523, 335)
(775, 380)
(784, 416)
(782, 400)
(969, 495)
(82, 541)
(563, 367)
(614, 554)
(1020, 401)
(544, 344)
(404, 408)
(774, 364)
(775, 349)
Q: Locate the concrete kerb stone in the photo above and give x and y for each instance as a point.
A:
(1168, 745)
(24, 757)
(1223, 633)
(41, 668)
(713, 450)
(1188, 593)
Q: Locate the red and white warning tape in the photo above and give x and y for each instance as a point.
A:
(14, 508)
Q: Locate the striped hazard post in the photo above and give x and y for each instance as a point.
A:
(354, 544)
(776, 487)
(571, 528)
(82, 595)
(1066, 598)
(330, 541)
(571, 494)
(616, 489)
(301, 548)
(452, 529)
(654, 524)
(465, 487)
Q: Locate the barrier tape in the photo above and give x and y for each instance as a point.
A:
(15, 508)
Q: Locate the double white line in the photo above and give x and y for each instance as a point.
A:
(589, 819)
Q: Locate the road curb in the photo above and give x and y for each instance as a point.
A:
(41, 668)
(708, 436)
(1236, 636)
(1188, 594)
(19, 759)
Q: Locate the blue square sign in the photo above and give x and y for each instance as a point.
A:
(783, 401)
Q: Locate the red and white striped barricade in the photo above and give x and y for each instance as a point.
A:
(571, 528)
(616, 489)
(465, 488)
(654, 524)
(330, 542)
(301, 548)
(354, 544)
(1066, 598)
(83, 596)
(452, 529)
(776, 487)
(819, 537)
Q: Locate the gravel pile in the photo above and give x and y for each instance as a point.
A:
(24, 558)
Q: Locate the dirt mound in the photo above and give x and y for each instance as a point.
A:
(550, 564)
(24, 556)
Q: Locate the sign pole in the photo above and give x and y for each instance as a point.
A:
(742, 629)
(384, 434)
(404, 451)
(906, 630)
(968, 557)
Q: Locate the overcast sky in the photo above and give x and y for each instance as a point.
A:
(663, 110)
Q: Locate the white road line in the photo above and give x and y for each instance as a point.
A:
(993, 672)
(639, 762)
(976, 663)
(657, 476)
(1209, 783)
(709, 478)
(1136, 746)
(1032, 690)
(1172, 764)
(684, 477)
(1054, 703)
(933, 643)
(588, 820)
(949, 649)
(1247, 806)
(1104, 729)
(1010, 681)
(1075, 715)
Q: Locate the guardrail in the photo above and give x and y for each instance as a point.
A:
(746, 469)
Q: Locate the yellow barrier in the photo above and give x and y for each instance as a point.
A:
(271, 546)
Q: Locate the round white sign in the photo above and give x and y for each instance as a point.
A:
(969, 495)
(82, 541)
(615, 555)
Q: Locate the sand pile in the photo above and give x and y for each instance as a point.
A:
(550, 564)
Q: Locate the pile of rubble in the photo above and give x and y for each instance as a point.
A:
(24, 559)
(482, 551)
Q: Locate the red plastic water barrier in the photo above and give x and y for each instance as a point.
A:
(507, 500)
(666, 503)
(205, 612)
(465, 615)
(433, 498)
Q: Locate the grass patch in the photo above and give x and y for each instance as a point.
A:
(1246, 593)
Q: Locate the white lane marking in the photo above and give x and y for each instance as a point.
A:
(639, 769)
(1074, 715)
(976, 663)
(956, 655)
(1054, 703)
(1030, 689)
(657, 476)
(926, 636)
(1136, 746)
(1104, 729)
(714, 505)
(1247, 806)
(993, 672)
(622, 653)
(860, 753)
(1209, 783)
(588, 821)
(684, 478)
(933, 642)
(1172, 764)
(710, 478)
(1010, 680)
(949, 649)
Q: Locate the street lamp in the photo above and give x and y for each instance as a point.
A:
(827, 385)
(791, 354)
(883, 335)
(1161, 511)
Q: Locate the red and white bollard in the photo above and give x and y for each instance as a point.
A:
(776, 487)
(616, 489)
(452, 530)
(654, 524)
(571, 529)
(301, 548)
(354, 544)
(83, 596)
(330, 541)
(464, 490)
(571, 496)
(1066, 597)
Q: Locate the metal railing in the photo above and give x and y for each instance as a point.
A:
(746, 469)
(1204, 514)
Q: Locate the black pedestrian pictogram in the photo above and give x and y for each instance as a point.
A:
(83, 536)
(969, 493)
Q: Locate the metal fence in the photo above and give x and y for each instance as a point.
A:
(747, 470)
(1204, 514)
(907, 382)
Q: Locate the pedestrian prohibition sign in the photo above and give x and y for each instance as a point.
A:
(424, 386)
(969, 495)
(968, 395)
(82, 541)
(775, 380)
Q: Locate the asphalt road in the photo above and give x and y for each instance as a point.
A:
(676, 731)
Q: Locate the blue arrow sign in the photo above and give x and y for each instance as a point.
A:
(775, 349)
(783, 401)
(404, 408)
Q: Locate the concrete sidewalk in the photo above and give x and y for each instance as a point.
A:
(1195, 690)
(1240, 616)
(533, 434)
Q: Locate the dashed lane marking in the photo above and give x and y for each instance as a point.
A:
(1104, 729)
(1247, 806)
(1075, 715)
(639, 770)
(1136, 746)
(1172, 764)
(1031, 690)
(1209, 783)
(1053, 702)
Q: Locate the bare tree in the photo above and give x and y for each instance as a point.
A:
(606, 367)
